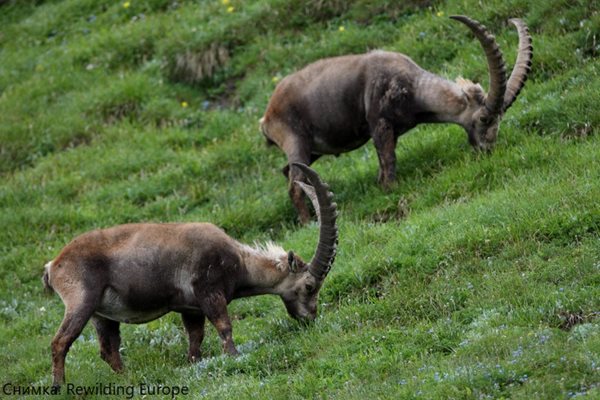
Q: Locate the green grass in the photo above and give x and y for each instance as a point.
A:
(476, 276)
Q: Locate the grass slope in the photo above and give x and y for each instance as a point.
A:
(477, 276)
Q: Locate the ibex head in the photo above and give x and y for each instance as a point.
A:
(483, 114)
(300, 290)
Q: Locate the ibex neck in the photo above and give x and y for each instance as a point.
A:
(264, 270)
(439, 99)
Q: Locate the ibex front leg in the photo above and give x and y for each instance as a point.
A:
(215, 310)
(384, 140)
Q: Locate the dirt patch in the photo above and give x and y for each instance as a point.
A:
(195, 67)
(570, 319)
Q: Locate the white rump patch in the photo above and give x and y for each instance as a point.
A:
(48, 266)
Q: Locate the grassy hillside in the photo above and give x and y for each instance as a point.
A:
(476, 276)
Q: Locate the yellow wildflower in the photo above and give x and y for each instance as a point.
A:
(440, 14)
(225, 2)
(184, 104)
(275, 79)
(126, 4)
(341, 28)
(230, 9)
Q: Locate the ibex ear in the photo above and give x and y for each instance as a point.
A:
(292, 262)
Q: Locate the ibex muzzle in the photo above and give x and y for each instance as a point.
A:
(335, 105)
(138, 272)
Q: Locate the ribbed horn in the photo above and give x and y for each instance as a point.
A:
(326, 209)
(522, 66)
(495, 98)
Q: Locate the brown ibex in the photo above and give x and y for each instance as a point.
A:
(337, 104)
(136, 273)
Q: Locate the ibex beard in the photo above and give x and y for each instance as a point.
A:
(136, 273)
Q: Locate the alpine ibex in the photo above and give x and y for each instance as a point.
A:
(136, 273)
(336, 104)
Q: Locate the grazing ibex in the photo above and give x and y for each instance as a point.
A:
(337, 104)
(138, 272)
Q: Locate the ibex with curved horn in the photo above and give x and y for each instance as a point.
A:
(337, 104)
(138, 272)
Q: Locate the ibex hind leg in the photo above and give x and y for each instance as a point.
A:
(297, 152)
(286, 169)
(110, 341)
(76, 316)
(293, 141)
(194, 325)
